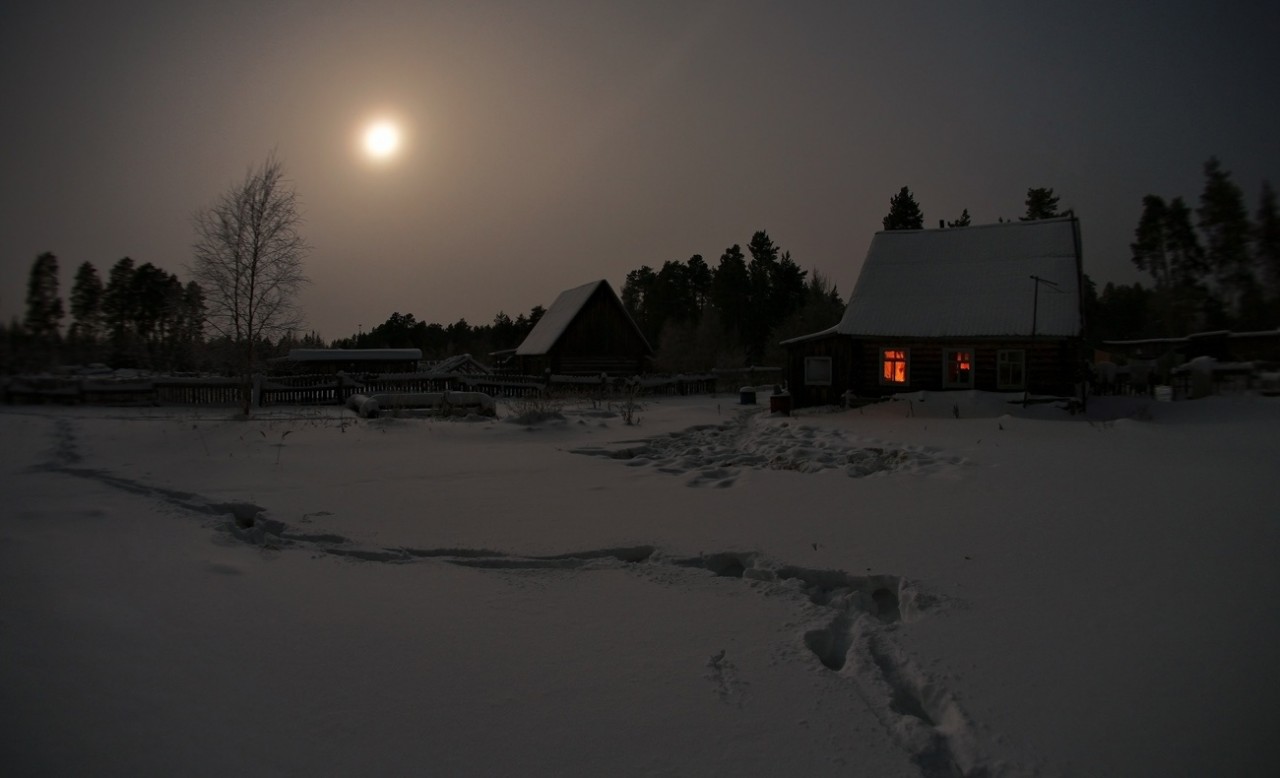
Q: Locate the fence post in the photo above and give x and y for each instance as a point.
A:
(255, 400)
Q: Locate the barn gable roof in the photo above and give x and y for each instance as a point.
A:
(968, 282)
(561, 314)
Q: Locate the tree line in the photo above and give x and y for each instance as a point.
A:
(141, 316)
(247, 262)
(1212, 267)
(438, 341)
(731, 315)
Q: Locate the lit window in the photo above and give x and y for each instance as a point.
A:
(817, 371)
(1011, 369)
(958, 364)
(893, 365)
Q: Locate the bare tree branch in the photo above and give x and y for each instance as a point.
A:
(247, 258)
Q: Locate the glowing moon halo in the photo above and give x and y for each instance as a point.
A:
(381, 140)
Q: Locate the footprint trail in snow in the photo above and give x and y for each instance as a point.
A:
(715, 455)
(860, 612)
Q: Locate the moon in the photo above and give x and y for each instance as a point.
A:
(381, 140)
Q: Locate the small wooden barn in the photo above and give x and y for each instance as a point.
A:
(994, 307)
(586, 331)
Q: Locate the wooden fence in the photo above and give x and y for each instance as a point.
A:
(332, 389)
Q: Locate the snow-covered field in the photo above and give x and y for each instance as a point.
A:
(947, 586)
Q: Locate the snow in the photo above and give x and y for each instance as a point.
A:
(968, 282)
(941, 584)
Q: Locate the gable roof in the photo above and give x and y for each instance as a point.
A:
(561, 314)
(459, 363)
(968, 282)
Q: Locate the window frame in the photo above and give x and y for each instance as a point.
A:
(1002, 362)
(906, 365)
(947, 354)
(809, 379)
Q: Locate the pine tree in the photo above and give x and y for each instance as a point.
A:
(1148, 250)
(1041, 204)
(699, 275)
(1266, 240)
(191, 327)
(730, 290)
(637, 298)
(86, 310)
(44, 306)
(1187, 266)
(904, 212)
(1166, 246)
(118, 312)
(761, 272)
(963, 221)
(788, 287)
(1224, 222)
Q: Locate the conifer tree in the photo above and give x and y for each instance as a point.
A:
(904, 212)
(1041, 204)
(1224, 222)
(1266, 240)
(1148, 248)
(86, 303)
(44, 306)
(118, 310)
(730, 291)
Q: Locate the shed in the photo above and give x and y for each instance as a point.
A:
(459, 364)
(586, 331)
(994, 307)
(350, 360)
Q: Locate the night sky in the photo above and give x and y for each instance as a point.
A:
(547, 144)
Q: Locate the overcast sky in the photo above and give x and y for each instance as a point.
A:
(548, 144)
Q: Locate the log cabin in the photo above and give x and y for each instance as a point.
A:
(994, 307)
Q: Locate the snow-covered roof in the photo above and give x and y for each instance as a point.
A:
(459, 363)
(353, 354)
(968, 282)
(558, 317)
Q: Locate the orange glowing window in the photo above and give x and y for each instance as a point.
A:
(959, 368)
(893, 366)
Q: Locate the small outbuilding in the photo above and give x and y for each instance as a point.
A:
(348, 360)
(586, 331)
(994, 307)
(459, 364)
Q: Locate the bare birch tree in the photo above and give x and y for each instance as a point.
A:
(248, 259)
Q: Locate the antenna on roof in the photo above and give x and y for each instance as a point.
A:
(1035, 300)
